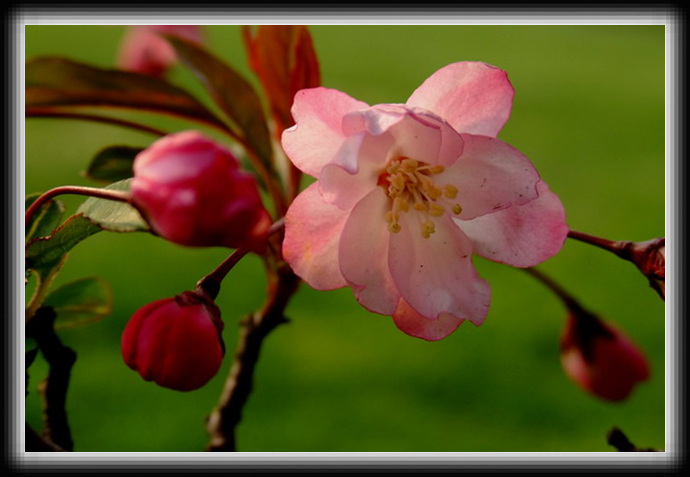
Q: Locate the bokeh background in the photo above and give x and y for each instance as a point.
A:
(588, 111)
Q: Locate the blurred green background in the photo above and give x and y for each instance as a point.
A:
(588, 111)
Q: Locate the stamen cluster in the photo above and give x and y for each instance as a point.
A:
(410, 183)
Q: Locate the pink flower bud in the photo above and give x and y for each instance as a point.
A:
(600, 358)
(144, 51)
(175, 342)
(192, 192)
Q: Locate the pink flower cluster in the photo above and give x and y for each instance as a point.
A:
(406, 194)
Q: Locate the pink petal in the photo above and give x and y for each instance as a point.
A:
(312, 236)
(408, 320)
(345, 187)
(490, 175)
(435, 275)
(473, 97)
(413, 133)
(317, 135)
(521, 235)
(363, 254)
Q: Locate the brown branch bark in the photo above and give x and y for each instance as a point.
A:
(54, 388)
(223, 420)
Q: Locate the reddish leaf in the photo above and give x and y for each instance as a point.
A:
(53, 82)
(284, 59)
(235, 95)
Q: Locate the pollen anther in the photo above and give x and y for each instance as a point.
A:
(410, 185)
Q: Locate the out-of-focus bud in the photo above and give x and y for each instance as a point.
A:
(144, 51)
(650, 258)
(600, 358)
(192, 192)
(175, 342)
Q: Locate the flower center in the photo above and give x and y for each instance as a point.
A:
(410, 185)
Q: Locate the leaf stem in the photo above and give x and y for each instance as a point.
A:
(117, 195)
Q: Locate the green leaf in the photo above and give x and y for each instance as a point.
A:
(112, 215)
(235, 95)
(45, 220)
(114, 163)
(45, 255)
(79, 302)
(54, 82)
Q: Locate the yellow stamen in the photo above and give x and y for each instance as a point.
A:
(409, 184)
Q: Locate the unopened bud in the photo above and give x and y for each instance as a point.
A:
(144, 51)
(175, 342)
(600, 358)
(192, 192)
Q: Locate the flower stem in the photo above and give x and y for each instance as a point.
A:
(570, 302)
(117, 195)
(620, 248)
(210, 284)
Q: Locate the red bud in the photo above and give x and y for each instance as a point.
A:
(191, 191)
(175, 342)
(600, 358)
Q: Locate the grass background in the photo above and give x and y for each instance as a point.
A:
(588, 111)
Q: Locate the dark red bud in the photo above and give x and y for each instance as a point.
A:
(175, 342)
(600, 358)
(192, 192)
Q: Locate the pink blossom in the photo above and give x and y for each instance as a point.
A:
(144, 51)
(600, 358)
(407, 193)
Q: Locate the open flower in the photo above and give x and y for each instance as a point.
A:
(407, 193)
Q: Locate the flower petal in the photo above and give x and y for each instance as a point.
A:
(521, 235)
(473, 97)
(312, 237)
(490, 175)
(317, 135)
(345, 187)
(363, 254)
(408, 320)
(435, 275)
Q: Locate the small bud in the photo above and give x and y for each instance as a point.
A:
(600, 358)
(192, 192)
(144, 51)
(175, 342)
